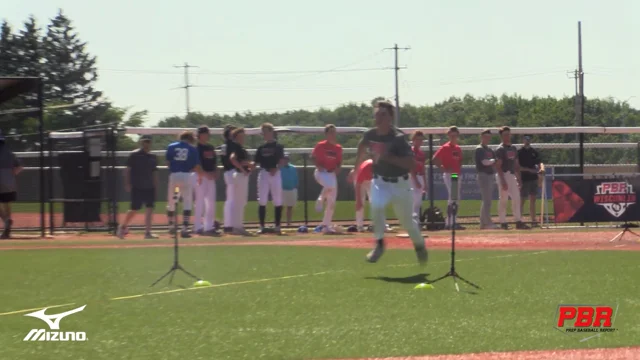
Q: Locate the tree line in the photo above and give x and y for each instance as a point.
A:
(56, 53)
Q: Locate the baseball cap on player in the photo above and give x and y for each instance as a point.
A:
(527, 137)
(145, 138)
(227, 131)
(203, 130)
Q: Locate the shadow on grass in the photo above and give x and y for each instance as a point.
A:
(415, 279)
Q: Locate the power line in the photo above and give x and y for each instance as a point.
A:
(290, 108)
(246, 73)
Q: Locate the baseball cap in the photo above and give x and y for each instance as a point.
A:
(203, 130)
(486, 131)
(145, 138)
(527, 137)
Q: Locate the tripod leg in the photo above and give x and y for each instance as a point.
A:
(633, 233)
(164, 276)
(617, 237)
(188, 273)
(173, 273)
(468, 282)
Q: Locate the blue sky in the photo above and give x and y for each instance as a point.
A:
(457, 47)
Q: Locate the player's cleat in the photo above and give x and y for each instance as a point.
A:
(6, 234)
(212, 232)
(361, 229)
(261, 231)
(375, 254)
(422, 255)
(504, 226)
(241, 232)
(277, 230)
(120, 232)
(522, 226)
(185, 234)
(228, 230)
(460, 227)
(199, 232)
(150, 236)
(319, 229)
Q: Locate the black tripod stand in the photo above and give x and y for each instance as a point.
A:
(452, 212)
(176, 265)
(626, 227)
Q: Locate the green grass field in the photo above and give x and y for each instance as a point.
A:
(344, 209)
(285, 303)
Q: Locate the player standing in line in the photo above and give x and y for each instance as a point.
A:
(269, 156)
(509, 183)
(530, 166)
(239, 158)
(229, 169)
(289, 175)
(327, 155)
(485, 159)
(141, 180)
(418, 175)
(392, 162)
(362, 183)
(449, 159)
(183, 159)
(9, 168)
(206, 188)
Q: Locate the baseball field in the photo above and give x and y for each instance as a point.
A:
(305, 296)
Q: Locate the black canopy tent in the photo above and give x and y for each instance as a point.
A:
(10, 87)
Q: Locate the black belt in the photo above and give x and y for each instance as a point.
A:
(391, 179)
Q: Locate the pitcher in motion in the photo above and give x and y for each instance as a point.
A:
(393, 160)
(183, 159)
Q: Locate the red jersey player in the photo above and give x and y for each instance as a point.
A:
(449, 159)
(327, 155)
(418, 175)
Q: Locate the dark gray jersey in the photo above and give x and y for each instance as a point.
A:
(508, 154)
(8, 162)
(393, 143)
(142, 166)
(483, 153)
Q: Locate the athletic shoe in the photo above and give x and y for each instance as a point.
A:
(6, 234)
(261, 231)
(319, 205)
(227, 230)
(185, 234)
(277, 230)
(361, 229)
(422, 255)
(504, 226)
(319, 229)
(241, 232)
(374, 255)
(150, 236)
(522, 226)
(199, 231)
(212, 232)
(387, 228)
(121, 231)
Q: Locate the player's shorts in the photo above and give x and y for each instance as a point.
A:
(529, 187)
(8, 197)
(289, 197)
(139, 197)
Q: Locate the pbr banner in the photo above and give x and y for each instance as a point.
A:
(595, 200)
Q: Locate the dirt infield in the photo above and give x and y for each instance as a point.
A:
(629, 353)
(471, 240)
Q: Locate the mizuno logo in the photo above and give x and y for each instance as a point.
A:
(53, 321)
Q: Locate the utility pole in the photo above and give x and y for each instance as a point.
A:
(581, 96)
(187, 84)
(396, 68)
